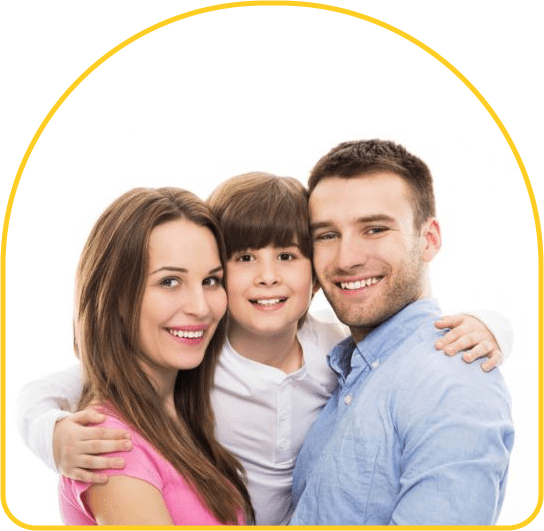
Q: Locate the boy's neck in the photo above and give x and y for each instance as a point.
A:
(282, 351)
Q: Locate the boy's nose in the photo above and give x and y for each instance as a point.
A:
(268, 275)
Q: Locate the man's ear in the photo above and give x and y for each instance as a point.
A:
(431, 240)
(315, 286)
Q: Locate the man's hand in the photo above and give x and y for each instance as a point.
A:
(471, 335)
(77, 446)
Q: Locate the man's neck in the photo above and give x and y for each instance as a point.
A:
(359, 333)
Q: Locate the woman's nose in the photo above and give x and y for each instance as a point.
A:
(195, 303)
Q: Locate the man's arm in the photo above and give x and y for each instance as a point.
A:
(457, 435)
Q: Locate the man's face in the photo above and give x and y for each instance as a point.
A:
(369, 259)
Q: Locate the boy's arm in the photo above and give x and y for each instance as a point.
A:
(64, 441)
(40, 404)
(484, 333)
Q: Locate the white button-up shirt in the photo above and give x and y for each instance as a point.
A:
(263, 414)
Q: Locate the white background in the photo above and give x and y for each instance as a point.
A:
(269, 88)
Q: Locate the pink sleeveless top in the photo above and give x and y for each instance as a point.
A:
(145, 463)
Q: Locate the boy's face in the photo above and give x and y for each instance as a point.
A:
(268, 289)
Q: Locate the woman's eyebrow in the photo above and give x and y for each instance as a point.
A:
(217, 269)
(170, 268)
(183, 270)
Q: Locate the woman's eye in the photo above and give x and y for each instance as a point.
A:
(212, 282)
(245, 258)
(286, 257)
(169, 282)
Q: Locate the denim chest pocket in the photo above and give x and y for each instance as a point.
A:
(346, 480)
(356, 465)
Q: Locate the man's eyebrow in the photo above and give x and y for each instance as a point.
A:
(363, 219)
(320, 225)
(375, 217)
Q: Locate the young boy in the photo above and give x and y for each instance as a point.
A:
(272, 378)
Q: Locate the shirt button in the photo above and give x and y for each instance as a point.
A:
(348, 400)
(375, 363)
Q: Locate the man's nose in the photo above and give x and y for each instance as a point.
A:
(351, 253)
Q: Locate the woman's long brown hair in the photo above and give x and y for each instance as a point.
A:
(110, 286)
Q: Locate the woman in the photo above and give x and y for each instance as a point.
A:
(148, 329)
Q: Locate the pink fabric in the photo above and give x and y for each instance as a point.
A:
(145, 463)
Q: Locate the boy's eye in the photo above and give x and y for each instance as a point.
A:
(245, 258)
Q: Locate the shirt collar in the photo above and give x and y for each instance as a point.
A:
(375, 348)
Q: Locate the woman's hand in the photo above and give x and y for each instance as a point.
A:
(77, 446)
(471, 335)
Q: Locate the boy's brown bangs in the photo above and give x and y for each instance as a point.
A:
(263, 229)
(258, 209)
(280, 224)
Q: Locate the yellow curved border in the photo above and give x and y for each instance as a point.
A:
(230, 5)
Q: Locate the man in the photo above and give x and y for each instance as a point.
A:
(405, 439)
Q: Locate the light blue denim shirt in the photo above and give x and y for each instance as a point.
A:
(409, 437)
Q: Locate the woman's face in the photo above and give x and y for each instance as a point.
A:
(184, 298)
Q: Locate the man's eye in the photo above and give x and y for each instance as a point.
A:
(324, 236)
(376, 230)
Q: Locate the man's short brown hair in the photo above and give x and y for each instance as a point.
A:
(363, 157)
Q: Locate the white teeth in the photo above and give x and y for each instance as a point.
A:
(358, 284)
(268, 302)
(187, 333)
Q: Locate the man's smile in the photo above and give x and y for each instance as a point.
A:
(358, 284)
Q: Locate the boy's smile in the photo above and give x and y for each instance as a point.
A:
(269, 304)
